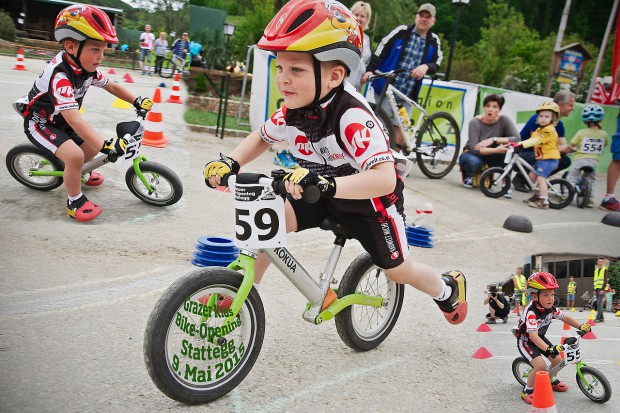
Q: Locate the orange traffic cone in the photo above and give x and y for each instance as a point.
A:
(20, 60)
(566, 327)
(154, 125)
(543, 401)
(175, 95)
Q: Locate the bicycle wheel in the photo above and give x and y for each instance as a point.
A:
(363, 327)
(23, 159)
(491, 186)
(388, 127)
(594, 385)
(521, 369)
(167, 69)
(168, 188)
(180, 359)
(561, 193)
(584, 193)
(437, 145)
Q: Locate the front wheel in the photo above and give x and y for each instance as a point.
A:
(437, 145)
(178, 352)
(584, 193)
(363, 327)
(561, 193)
(167, 68)
(521, 369)
(491, 185)
(594, 385)
(23, 160)
(166, 185)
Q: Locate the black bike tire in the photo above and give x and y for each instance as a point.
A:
(165, 311)
(584, 193)
(429, 124)
(172, 66)
(386, 120)
(345, 324)
(19, 150)
(161, 170)
(566, 186)
(600, 377)
(516, 363)
(487, 175)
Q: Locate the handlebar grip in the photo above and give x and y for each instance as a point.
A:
(310, 195)
(224, 180)
(581, 333)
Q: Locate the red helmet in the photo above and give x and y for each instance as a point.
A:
(324, 28)
(542, 281)
(81, 22)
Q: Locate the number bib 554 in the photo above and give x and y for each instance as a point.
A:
(259, 217)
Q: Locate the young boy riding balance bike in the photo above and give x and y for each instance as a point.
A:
(52, 118)
(339, 145)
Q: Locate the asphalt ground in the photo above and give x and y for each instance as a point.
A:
(74, 299)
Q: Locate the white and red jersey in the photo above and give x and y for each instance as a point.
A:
(61, 86)
(536, 319)
(147, 40)
(349, 139)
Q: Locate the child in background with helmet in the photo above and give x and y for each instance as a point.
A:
(532, 328)
(339, 145)
(588, 145)
(546, 149)
(52, 119)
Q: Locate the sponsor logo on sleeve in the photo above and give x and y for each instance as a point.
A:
(358, 136)
(64, 88)
(278, 118)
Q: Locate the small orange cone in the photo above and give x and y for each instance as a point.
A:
(543, 401)
(566, 327)
(128, 79)
(482, 353)
(111, 71)
(154, 125)
(175, 95)
(20, 60)
(483, 328)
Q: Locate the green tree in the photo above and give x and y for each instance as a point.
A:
(257, 16)
(614, 277)
(7, 26)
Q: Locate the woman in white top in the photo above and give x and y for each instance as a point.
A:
(362, 13)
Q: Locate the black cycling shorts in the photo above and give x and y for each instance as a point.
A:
(49, 136)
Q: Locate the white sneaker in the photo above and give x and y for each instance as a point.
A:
(468, 182)
(508, 194)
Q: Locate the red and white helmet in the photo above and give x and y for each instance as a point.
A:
(81, 22)
(326, 29)
(542, 281)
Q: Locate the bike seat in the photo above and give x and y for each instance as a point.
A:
(586, 169)
(124, 128)
(330, 223)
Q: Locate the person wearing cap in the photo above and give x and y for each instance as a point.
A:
(411, 47)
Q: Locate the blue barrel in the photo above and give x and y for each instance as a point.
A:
(419, 237)
(215, 252)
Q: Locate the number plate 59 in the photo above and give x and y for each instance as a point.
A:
(259, 217)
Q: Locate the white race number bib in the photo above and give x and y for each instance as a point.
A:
(592, 146)
(259, 217)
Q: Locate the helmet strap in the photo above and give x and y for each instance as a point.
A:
(76, 57)
(317, 80)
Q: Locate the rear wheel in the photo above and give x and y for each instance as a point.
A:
(491, 185)
(167, 68)
(584, 193)
(594, 385)
(561, 193)
(521, 369)
(167, 187)
(23, 160)
(437, 145)
(364, 327)
(388, 127)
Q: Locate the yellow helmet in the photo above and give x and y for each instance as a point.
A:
(549, 105)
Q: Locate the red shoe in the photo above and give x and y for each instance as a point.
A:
(455, 307)
(82, 210)
(95, 179)
(528, 397)
(559, 386)
(223, 304)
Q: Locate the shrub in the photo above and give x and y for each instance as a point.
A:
(7, 26)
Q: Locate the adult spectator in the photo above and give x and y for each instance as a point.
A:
(488, 134)
(600, 281)
(413, 48)
(520, 285)
(566, 101)
(613, 170)
(161, 48)
(180, 50)
(571, 290)
(362, 12)
(498, 305)
(147, 41)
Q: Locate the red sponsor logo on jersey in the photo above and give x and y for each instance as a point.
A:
(395, 255)
(64, 88)
(358, 137)
(278, 118)
(531, 321)
(303, 145)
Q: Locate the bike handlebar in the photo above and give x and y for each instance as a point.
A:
(310, 195)
(392, 74)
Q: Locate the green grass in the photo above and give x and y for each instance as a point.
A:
(198, 117)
